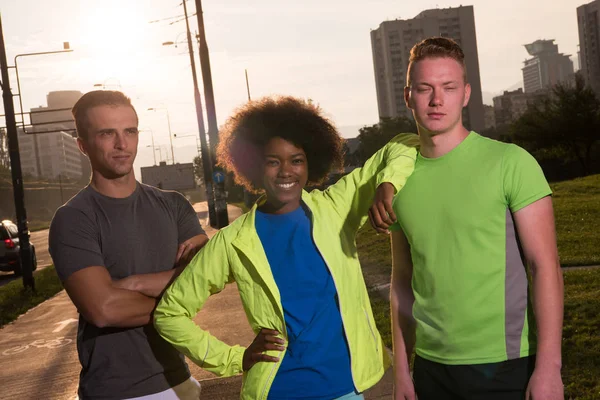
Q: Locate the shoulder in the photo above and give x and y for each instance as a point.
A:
(168, 196)
(82, 204)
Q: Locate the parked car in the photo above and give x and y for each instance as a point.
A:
(9, 248)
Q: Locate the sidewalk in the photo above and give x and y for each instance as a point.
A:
(38, 355)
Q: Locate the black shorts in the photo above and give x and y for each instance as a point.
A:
(505, 380)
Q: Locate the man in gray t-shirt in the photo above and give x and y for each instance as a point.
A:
(116, 246)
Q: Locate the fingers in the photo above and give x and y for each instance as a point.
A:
(258, 357)
(389, 209)
(377, 222)
(180, 251)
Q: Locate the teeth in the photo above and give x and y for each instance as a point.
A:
(286, 185)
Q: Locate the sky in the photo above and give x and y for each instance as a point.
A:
(317, 49)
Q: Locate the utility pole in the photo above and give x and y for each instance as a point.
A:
(213, 130)
(15, 168)
(206, 154)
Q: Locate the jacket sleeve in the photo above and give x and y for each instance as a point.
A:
(353, 194)
(207, 274)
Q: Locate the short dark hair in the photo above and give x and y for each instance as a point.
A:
(93, 99)
(247, 132)
(435, 47)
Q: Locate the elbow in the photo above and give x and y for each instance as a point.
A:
(103, 315)
(97, 317)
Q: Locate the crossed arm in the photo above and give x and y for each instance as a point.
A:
(128, 302)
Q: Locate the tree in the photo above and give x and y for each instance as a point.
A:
(374, 137)
(199, 170)
(567, 122)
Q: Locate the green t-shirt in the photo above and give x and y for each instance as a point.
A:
(469, 280)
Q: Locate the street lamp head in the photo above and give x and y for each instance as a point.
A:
(168, 43)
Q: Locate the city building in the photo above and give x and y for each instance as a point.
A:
(509, 106)
(57, 155)
(489, 116)
(546, 68)
(48, 146)
(588, 21)
(391, 44)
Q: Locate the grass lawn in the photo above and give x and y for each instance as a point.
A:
(577, 212)
(15, 300)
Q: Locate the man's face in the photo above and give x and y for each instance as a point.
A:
(112, 139)
(285, 173)
(437, 94)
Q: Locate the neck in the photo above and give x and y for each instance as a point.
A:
(117, 188)
(437, 145)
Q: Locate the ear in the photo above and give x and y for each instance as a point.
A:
(467, 94)
(407, 96)
(82, 146)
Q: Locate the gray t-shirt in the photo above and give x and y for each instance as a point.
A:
(134, 235)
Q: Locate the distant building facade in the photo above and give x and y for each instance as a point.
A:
(509, 106)
(546, 68)
(48, 146)
(588, 21)
(391, 44)
(57, 154)
(490, 117)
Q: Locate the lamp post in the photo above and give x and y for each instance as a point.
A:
(169, 125)
(211, 115)
(104, 85)
(16, 67)
(15, 160)
(206, 157)
(152, 136)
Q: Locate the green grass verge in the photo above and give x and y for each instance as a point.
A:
(577, 212)
(15, 300)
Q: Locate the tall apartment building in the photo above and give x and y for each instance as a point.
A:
(391, 44)
(547, 67)
(588, 21)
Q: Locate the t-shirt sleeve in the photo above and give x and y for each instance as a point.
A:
(73, 242)
(188, 224)
(523, 179)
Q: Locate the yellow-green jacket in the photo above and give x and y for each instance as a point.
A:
(235, 253)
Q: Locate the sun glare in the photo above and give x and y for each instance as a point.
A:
(112, 40)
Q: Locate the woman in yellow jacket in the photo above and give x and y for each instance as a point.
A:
(293, 257)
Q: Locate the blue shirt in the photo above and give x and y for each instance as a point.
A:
(317, 362)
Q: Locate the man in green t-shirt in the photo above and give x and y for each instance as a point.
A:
(474, 213)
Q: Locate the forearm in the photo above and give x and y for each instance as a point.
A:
(124, 309)
(151, 285)
(548, 291)
(403, 328)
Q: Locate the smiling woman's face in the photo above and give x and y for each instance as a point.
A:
(284, 175)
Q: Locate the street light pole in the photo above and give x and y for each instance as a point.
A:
(211, 114)
(152, 137)
(206, 156)
(15, 169)
(169, 126)
(16, 67)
